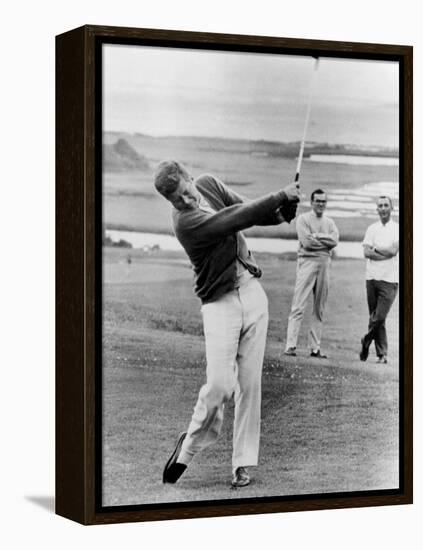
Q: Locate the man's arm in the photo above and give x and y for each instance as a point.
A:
(306, 237)
(231, 197)
(368, 246)
(389, 251)
(372, 253)
(209, 186)
(327, 240)
(331, 239)
(207, 228)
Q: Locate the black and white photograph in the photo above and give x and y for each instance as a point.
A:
(251, 261)
(169, 169)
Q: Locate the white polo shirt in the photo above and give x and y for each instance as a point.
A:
(379, 235)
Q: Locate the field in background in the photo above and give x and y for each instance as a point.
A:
(327, 426)
(131, 203)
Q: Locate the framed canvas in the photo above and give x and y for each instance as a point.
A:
(310, 411)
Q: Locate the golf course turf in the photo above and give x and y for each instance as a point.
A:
(327, 425)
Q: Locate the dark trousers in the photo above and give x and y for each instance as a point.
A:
(380, 297)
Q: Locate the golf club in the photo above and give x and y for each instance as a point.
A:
(300, 155)
(310, 98)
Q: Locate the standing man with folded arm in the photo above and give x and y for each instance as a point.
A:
(317, 237)
(380, 247)
(208, 219)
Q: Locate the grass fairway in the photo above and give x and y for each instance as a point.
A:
(327, 426)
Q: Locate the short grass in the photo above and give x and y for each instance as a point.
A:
(327, 426)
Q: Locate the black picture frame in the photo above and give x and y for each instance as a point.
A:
(78, 273)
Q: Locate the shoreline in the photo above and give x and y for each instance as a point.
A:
(138, 239)
(275, 147)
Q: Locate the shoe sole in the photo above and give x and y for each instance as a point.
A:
(174, 455)
(240, 484)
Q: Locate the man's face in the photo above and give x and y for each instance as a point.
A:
(384, 209)
(185, 196)
(318, 203)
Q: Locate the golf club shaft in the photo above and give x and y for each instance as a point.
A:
(310, 98)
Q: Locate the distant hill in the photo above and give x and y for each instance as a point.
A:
(259, 148)
(121, 156)
(290, 150)
(266, 148)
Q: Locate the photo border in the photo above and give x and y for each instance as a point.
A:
(79, 273)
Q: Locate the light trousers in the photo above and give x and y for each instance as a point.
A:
(312, 277)
(235, 328)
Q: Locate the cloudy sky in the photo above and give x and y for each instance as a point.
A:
(166, 91)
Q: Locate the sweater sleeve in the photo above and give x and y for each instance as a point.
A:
(203, 227)
(305, 236)
(213, 188)
(210, 187)
(332, 238)
(231, 197)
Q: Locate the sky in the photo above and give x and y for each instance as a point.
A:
(169, 91)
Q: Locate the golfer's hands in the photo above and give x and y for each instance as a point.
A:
(288, 211)
(292, 191)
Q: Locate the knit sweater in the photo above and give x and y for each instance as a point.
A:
(213, 241)
(307, 225)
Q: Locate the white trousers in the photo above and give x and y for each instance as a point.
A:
(312, 276)
(235, 328)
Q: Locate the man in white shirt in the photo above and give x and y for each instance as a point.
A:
(317, 236)
(380, 246)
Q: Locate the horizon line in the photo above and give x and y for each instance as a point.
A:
(267, 140)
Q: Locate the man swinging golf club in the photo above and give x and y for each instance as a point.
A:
(208, 219)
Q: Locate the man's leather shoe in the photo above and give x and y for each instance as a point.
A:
(173, 469)
(240, 477)
(318, 354)
(364, 353)
(291, 352)
(382, 360)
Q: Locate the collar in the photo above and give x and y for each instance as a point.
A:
(204, 206)
(313, 213)
(385, 224)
